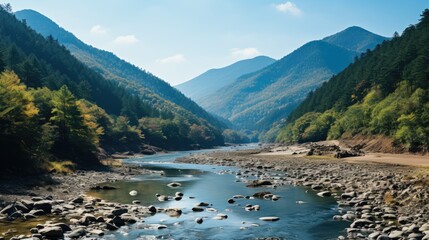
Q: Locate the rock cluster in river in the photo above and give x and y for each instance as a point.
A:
(380, 201)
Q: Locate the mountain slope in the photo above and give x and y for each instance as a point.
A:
(43, 62)
(112, 67)
(385, 92)
(257, 100)
(355, 39)
(214, 79)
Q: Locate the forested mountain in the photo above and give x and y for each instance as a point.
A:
(258, 99)
(53, 107)
(113, 68)
(384, 92)
(209, 82)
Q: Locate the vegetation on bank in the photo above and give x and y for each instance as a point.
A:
(385, 91)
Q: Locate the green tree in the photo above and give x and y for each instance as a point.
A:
(76, 140)
(19, 132)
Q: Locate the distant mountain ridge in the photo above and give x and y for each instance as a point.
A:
(257, 100)
(214, 79)
(112, 67)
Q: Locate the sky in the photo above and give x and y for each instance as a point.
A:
(178, 40)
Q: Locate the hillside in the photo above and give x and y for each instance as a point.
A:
(53, 107)
(113, 68)
(256, 100)
(214, 79)
(385, 92)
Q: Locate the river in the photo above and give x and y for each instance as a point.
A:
(215, 185)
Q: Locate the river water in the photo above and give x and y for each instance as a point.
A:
(215, 185)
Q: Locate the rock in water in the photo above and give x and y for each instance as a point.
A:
(324, 194)
(269, 219)
(133, 193)
(174, 184)
(199, 220)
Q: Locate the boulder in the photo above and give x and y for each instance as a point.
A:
(63, 226)
(8, 210)
(119, 212)
(54, 232)
(360, 223)
(324, 194)
(258, 183)
(77, 233)
(269, 219)
(174, 184)
(44, 205)
(197, 209)
(78, 200)
(199, 220)
(152, 209)
(260, 194)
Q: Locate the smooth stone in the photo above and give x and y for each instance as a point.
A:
(324, 194)
(174, 184)
(270, 219)
(78, 200)
(63, 226)
(395, 234)
(179, 194)
(374, 235)
(136, 202)
(152, 209)
(119, 212)
(360, 223)
(162, 198)
(133, 193)
(111, 227)
(44, 205)
(51, 232)
(77, 233)
(199, 220)
(202, 204)
(128, 218)
(97, 232)
(231, 201)
(197, 209)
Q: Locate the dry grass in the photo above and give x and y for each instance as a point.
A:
(388, 198)
(61, 167)
(112, 162)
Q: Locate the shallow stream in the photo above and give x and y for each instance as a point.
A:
(215, 185)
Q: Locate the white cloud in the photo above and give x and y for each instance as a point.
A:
(244, 53)
(289, 7)
(178, 58)
(126, 40)
(98, 30)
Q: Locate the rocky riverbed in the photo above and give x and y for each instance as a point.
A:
(381, 201)
(54, 206)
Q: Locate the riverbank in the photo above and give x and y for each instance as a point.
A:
(54, 205)
(382, 200)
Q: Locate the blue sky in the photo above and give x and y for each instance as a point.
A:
(180, 39)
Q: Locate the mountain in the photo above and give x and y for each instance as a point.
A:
(256, 100)
(214, 79)
(54, 107)
(112, 67)
(382, 97)
(355, 39)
